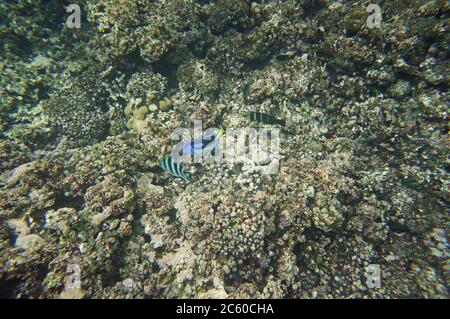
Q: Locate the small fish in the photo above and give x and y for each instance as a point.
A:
(173, 168)
(203, 144)
(263, 118)
(284, 55)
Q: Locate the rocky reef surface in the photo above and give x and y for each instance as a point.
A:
(87, 113)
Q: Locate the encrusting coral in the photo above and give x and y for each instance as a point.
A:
(363, 164)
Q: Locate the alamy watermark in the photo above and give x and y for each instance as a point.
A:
(73, 281)
(74, 19)
(373, 276)
(374, 18)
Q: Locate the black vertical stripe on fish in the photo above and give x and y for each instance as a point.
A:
(176, 169)
(163, 163)
(167, 163)
(180, 171)
(172, 167)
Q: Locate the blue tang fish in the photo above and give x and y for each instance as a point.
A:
(204, 143)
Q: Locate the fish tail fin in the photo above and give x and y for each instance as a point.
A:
(220, 132)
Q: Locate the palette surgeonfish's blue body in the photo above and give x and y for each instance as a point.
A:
(202, 144)
(174, 168)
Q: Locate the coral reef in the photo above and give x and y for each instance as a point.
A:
(86, 114)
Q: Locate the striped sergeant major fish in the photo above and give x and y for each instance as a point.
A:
(263, 118)
(168, 164)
